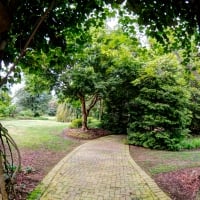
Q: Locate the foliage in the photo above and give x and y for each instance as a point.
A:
(36, 103)
(41, 25)
(65, 112)
(120, 61)
(26, 114)
(193, 76)
(6, 107)
(190, 143)
(76, 123)
(195, 108)
(155, 15)
(158, 17)
(159, 113)
(94, 123)
(36, 193)
(80, 81)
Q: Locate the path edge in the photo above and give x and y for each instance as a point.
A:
(150, 182)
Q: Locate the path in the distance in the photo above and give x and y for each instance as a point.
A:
(100, 169)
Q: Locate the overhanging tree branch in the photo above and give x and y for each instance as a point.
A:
(23, 51)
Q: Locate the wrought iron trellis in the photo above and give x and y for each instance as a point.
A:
(10, 163)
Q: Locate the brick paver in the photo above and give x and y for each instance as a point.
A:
(101, 169)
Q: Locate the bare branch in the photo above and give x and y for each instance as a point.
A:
(93, 102)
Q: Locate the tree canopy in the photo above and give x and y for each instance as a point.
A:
(18, 20)
(27, 25)
(160, 14)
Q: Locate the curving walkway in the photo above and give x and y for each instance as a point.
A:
(100, 169)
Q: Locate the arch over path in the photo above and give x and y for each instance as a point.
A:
(100, 169)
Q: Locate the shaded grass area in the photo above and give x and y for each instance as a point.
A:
(177, 173)
(156, 161)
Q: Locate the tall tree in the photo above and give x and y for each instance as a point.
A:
(117, 60)
(81, 83)
(36, 102)
(159, 113)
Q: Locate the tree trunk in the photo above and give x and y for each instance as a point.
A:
(84, 113)
(100, 109)
(3, 192)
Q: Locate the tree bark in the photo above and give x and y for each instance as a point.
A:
(3, 192)
(100, 109)
(5, 20)
(84, 113)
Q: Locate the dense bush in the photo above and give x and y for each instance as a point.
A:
(76, 123)
(195, 108)
(6, 108)
(119, 95)
(94, 123)
(26, 113)
(64, 113)
(159, 114)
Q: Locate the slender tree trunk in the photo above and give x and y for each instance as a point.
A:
(84, 113)
(3, 192)
(100, 109)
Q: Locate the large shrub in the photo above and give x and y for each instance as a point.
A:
(120, 92)
(7, 109)
(159, 114)
(195, 107)
(64, 112)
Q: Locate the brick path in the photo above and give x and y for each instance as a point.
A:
(101, 169)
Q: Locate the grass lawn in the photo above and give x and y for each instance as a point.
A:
(37, 134)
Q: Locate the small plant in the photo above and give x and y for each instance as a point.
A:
(26, 114)
(28, 170)
(36, 193)
(11, 168)
(76, 123)
(94, 123)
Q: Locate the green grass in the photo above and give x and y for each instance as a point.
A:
(191, 143)
(34, 134)
(170, 161)
(160, 161)
(36, 193)
(162, 168)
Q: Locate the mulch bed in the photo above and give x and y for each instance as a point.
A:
(90, 134)
(180, 185)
